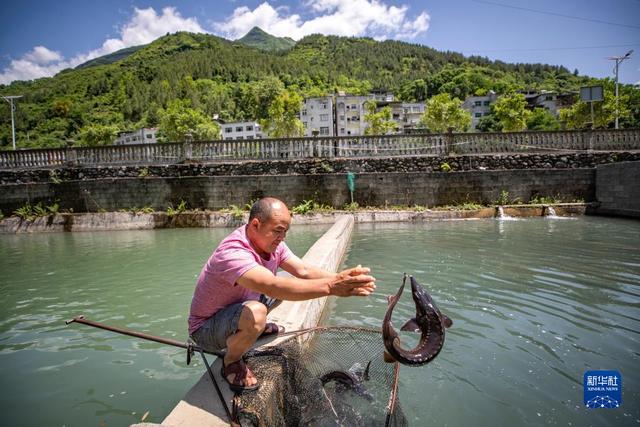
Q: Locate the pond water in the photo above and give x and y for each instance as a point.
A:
(535, 303)
(55, 375)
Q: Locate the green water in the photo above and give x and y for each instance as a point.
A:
(535, 303)
(54, 375)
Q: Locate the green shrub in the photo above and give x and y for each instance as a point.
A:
(30, 212)
(503, 199)
(305, 207)
(444, 167)
(53, 176)
(351, 207)
(236, 211)
(182, 207)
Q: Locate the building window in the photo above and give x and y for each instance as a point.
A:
(342, 118)
(238, 128)
(354, 106)
(228, 130)
(324, 117)
(478, 114)
(342, 131)
(324, 131)
(149, 136)
(248, 127)
(304, 124)
(486, 103)
(304, 112)
(239, 137)
(324, 105)
(477, 103)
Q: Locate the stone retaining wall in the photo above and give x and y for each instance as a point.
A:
(325, 166)
(371, 189)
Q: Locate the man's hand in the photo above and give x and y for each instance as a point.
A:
(353, 282)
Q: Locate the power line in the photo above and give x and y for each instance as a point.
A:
(533, 49)
(544, 12)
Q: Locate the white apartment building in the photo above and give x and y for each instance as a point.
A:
(350, 112)
(479, 106)
(406, 114)
(140, 136)
(241, 130)
(549, 100)
(317, 116)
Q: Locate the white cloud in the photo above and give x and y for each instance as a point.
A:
(344, 18)
(144, 26)
(42, 55)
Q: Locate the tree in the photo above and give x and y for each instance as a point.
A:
(442, 113)
(282, 120)
(511, 112)
(578, 116)
(180, 122)
(489, 124)
(379, 122)
(542, 119)
(96, 134)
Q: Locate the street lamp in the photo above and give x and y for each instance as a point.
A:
(618, 60)
(10, 99)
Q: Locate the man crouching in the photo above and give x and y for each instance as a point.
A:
(238, 286)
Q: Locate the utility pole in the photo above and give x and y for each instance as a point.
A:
(10, 99)
(618, 60)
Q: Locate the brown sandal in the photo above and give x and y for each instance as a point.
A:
(272, 329)
(240, 371)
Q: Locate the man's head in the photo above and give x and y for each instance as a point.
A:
(269, 221)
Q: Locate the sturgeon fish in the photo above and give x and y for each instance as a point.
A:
(429, 321)
(351, 380)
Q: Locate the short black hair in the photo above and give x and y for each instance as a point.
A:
(262, 208)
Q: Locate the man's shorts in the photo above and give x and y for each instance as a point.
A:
(212, 335)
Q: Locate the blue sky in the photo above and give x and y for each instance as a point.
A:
(39, 38)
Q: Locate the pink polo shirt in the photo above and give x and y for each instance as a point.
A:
(216, 287)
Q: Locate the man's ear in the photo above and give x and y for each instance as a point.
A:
(255, 222)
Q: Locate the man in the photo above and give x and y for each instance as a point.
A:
(238, 286)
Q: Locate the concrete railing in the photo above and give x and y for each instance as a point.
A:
(200, 406)
(325, 147)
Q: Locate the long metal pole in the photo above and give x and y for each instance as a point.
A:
(617, 63)
(161, 340)
(10, 99)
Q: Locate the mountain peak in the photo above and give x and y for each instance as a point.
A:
(260, 39)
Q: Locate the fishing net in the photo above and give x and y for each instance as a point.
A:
(326, 376)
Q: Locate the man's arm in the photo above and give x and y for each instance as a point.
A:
(298, 268)
(352, 282)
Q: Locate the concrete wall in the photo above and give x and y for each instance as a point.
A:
(201, 406)
(618, 189)
(372, 189)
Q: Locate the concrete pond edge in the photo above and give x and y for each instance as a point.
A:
(114, 221)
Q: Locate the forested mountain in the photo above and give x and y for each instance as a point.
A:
(217, 76)
(112, 57)
(262, 40)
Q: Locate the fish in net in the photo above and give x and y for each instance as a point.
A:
(322, 377)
